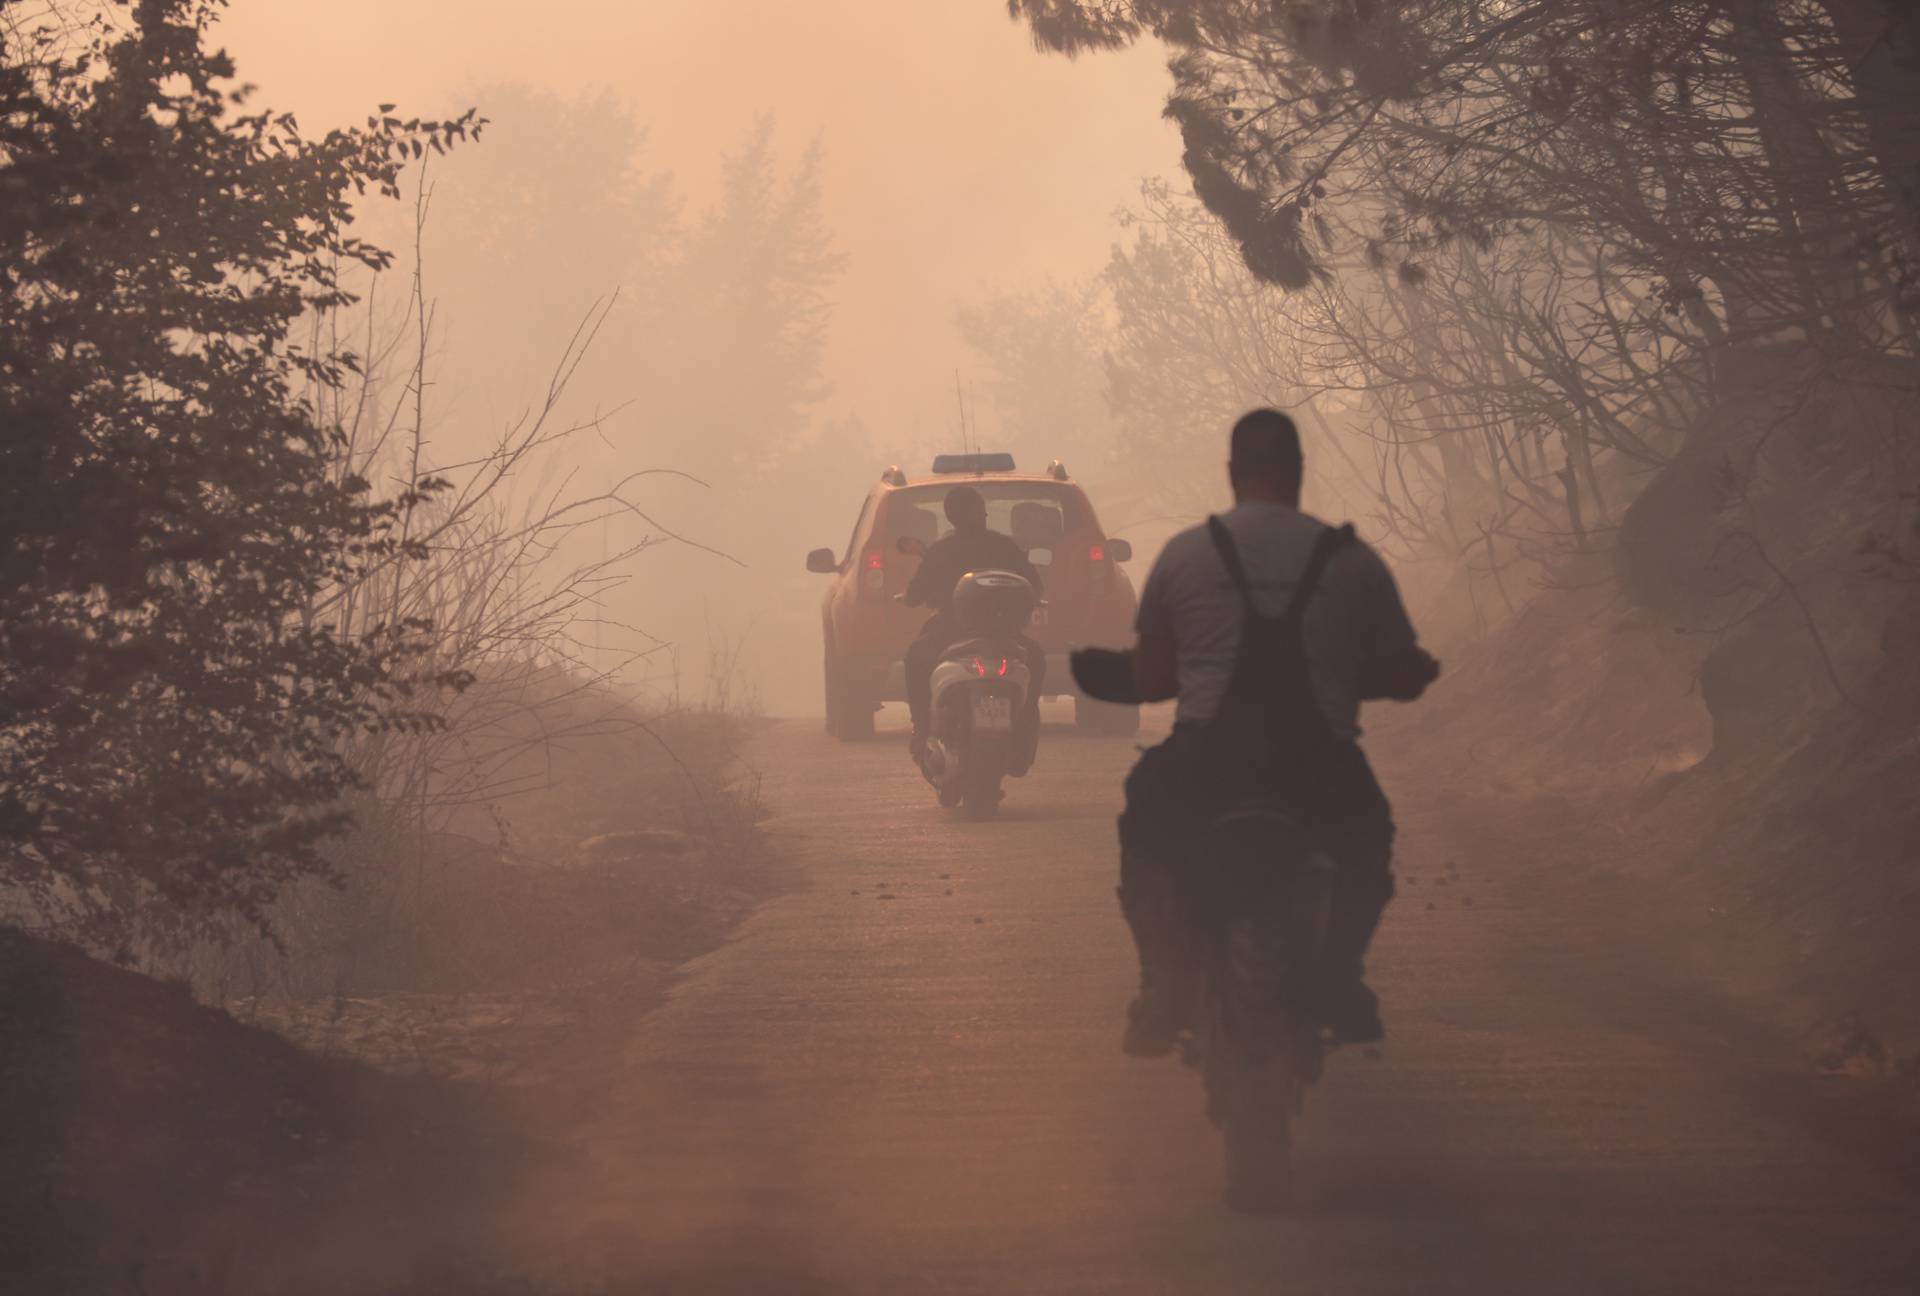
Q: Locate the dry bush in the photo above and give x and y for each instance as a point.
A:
(472, 952)
(464, 872)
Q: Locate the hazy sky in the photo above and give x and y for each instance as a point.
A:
(957, 158)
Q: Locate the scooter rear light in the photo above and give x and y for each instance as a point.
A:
(1003, 668)
(979, 668)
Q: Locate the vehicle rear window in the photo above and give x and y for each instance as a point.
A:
(1037, 514)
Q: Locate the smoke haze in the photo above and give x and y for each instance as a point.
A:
(953, 163)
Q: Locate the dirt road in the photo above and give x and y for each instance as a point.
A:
(902, 1077)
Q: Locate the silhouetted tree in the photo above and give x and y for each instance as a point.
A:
(1759, 148)
(746, 308)
(559, 211)
(169, 725)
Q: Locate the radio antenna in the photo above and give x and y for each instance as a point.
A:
(960, 400)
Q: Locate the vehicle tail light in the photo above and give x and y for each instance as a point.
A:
(1096, 553)
(874, 571)
(1099, 571)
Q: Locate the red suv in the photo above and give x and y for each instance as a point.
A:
(1089, 599)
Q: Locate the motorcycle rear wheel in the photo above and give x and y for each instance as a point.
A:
(1259, 1055)
(1257, 1131)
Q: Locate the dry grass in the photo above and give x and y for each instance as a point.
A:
(480, 949)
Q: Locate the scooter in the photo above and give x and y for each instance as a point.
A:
(980, 693)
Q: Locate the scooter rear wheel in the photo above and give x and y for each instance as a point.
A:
(981, 799)
(980, 793)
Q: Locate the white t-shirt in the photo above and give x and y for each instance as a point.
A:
(1355, 615)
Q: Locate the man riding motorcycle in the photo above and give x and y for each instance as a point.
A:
(972, 546)
(1270, 627)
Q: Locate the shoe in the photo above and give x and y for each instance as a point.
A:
(1351, 1015)
(1155, 1023)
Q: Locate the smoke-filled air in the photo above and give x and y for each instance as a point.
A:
(959, 646)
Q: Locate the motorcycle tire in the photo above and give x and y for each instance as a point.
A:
(1259, 1144)
(980, 793)
(1262, 1050)
(1252, 1096)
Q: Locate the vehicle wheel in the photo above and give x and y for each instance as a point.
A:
(1253, 1091)
(849, 714)
(856, 717)
(1107, 718)
(981, 800)
(831, 696)
(1262, 1049)
(1258, 1134)
(980, 788)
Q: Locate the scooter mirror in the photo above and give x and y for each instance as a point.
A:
(1040, 557)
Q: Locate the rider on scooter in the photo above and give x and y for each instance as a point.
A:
(1344, 637)
(972, 546)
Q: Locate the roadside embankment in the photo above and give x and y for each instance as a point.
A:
(1778, 828)
(359, 1112)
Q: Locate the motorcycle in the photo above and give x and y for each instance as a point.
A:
(1263, 901)
(980, 693)
(1258, 910)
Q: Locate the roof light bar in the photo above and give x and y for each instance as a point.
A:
(973, 463)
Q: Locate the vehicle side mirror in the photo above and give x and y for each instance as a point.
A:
(822, 561)
(1119, 551)
(1040, 557)
(912, 546)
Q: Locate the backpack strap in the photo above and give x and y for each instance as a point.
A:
(1230, 557)
(1323, 549)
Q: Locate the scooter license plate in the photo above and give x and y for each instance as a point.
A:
(992, 712)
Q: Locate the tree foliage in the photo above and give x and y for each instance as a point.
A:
(169, 721)
(746, 312)
(1767, 147)
(1567, 264)
(560, 210)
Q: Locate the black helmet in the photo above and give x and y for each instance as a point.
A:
(992, 603)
